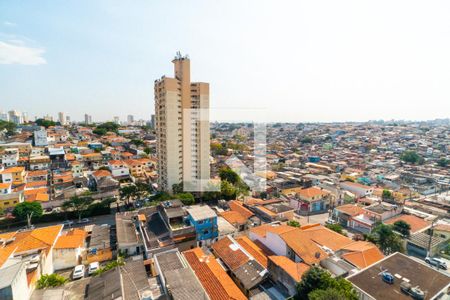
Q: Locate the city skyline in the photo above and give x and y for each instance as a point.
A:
(303, 62)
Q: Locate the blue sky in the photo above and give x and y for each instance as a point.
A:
(298, 60)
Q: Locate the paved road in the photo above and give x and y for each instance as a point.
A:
(97, 220)
(320, 218)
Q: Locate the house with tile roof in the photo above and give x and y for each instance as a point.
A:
(245, 270)
(32, 248)
(217, 283)
(286, 272)
(67, 252)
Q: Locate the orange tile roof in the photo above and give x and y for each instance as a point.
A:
(362, 254)
(12, 170)
(41, 190)
(350, 209)
(239, 207)
(253, 249)
(72, 239)
(416, 223)
(212, 276)
(35, 184)
(5, 185)
(234, 217)
(326, 237)
(295, 270)
(232, 258)
(38, 197)
(312, 192)
(299, 241)
(37, 173)
(116, 162)
(277, 229)
(101, 173)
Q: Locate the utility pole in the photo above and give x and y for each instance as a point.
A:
(431, 236)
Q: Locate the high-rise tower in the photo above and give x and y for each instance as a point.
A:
(182, 128)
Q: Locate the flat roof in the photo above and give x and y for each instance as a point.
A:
(201, 212)
(403, 268)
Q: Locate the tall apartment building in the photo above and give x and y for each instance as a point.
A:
(87, 119)
(130, 119)
(182, 128)
(15, 117)
(61, 118)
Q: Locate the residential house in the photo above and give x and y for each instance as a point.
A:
(14, 175)
(359, 190)
(204, 220)
(177, 277)
(68, 249)
(118, 169)
(310, 200)
(243, 268)
(216, 282)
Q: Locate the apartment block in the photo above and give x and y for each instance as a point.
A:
(182, 128)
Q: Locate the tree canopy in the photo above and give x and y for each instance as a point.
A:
(335, 227)
(402, 227)
(317, 284)
(23, 209)
(78, 204)
(186, 198)
(386, 239)
(106, 127)
(293, 223)
(411, 157)
(46, 123)
(9, 126)
(443, 162)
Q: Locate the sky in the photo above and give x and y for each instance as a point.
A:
(298, 61)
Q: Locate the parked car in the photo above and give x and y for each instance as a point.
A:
(437, 262)
(330, 221)
(67, 223)
(78, 272)
(93, 266)
(83, 221)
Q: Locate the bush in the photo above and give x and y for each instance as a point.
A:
(50, 280)
(111, 265)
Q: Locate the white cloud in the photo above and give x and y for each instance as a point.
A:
(9, 24)
(18, 53)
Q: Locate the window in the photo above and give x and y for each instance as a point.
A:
(200, 222)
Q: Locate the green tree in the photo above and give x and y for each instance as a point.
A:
(335, 227)
(127, 192)
(386, 239)
(293, 223)
(387, 195)
(10, 127)
(186, 198)
(306, 140)
(411, 157)
(328, 294)
(229, 175)
(227, 190)
(51, 280)
(22, 210)
(402, 227)
(443, 162)
(316, 279)
(45, 123)
(137, 142)
(99, 131)
(148, 150)
(161, 196)
(78, 204)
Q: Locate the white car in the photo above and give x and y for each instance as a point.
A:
(93, 266)
(78, 272)
(437, 262)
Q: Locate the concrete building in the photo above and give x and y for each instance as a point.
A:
(40, 138)
(87, 119)
(15, 117)
(62, 118)
(130, 119)
(182, 128)
(116, 120)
